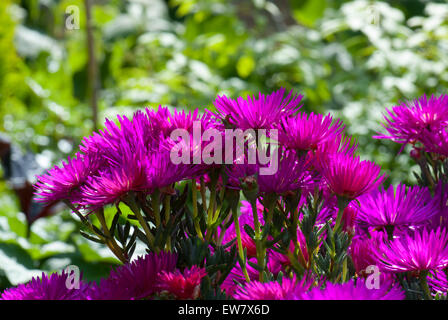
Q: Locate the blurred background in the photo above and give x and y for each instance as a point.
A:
(66, 65)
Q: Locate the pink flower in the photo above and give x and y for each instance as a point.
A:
(261, 113)
(349, 177)
(185, 285)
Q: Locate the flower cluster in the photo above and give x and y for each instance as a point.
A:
(257, 200)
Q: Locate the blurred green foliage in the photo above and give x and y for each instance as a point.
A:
(350, 58)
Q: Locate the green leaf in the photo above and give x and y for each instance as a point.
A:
(309, 11)
(245, 66)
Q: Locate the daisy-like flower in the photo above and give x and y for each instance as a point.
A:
(438, 282)
(307, 132)
(183, 120)
(355, 291)
(349, 177)
(286, 173)
(287, 289)
(63, 183)
(338, 144)
(292, 173)
(362, 250)
(441, 199)
(137, 279)
(409, 121)
(183, 285)
(261, 113)
(53, 287)
(396, 207)
(137, 172)
(419, 252)
(436, 142)
(116, 180)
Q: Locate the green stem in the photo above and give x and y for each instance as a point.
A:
(194, 193)
(167, 203)
(211, 211)
(203, 196)
(167, 218)
(136, 210)
(110, 241)
(424, 285)
(155, 198)
(240, 244)
(342, 204)
(259, 245)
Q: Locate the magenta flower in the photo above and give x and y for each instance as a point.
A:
(292, 173)
(137, 172)
(287, 289)
(182, 286)
(63, 183)
(441, 199)
(363, 250)
(423, 251)
(307, 132)
(355, 291)
(438, 282)
(436, 142)
(397, 207)
(338, 144)
(135, 280)
(107, 289)
(409, 121)
(53, 287)
(349, 177)
(288, 172)
(261, 113)
(116, 180)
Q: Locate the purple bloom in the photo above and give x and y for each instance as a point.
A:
(185, 285)
(349, 177)
(261, 113)
(116, 180)
(307, 132)
(362, 250)
(289, 172)
(400, 207)
(324, 151)
(438, 282)
(409, 121)
(135, 171)
(287, 289)
(355, 291)
(135, 280)
(436, 142)
(441, 199)
(63, 183)
(292, 173)
(422, 251)
(53, 287)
